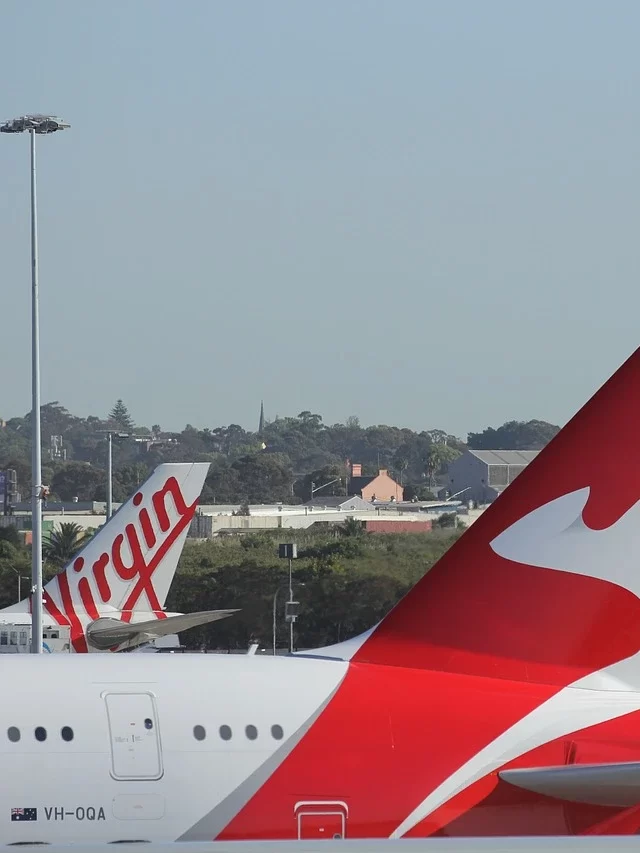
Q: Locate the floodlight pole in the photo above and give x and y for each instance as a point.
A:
(109, 477)
(290, 600)
(275, 602)
(36, 440)
(35, 124)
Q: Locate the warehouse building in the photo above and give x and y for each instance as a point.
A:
(482, 475)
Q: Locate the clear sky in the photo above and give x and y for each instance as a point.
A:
(420, 213)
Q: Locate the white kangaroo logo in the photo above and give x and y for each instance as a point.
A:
(554, 536)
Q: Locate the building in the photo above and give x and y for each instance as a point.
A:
(397, 525)
(482, 475)
(380, 487)
(354, 503)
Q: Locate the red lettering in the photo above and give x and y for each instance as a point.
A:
(99, 573)
(137, 499)
(127, 573)
(52, 608)
(171, 487)
(147, 528)
(77, 632)
(78, 564)
(144, 584)
(87, 598)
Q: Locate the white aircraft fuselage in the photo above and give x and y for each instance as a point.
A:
(95, 770)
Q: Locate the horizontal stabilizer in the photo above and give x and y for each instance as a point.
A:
(591, 784)
(107, 633)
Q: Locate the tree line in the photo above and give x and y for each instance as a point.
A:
(277, 462)
(345, 580)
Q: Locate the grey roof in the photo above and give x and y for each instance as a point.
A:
(340, 501)
(357, 484)
(505, 457)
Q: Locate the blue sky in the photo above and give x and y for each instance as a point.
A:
(420, 213)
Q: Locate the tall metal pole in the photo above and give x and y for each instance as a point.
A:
(109, 479)
(275, 624)
(36, 461)
(275, 607)
(290, 599)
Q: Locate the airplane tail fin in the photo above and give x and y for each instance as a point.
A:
(545, 585)
(129, 564)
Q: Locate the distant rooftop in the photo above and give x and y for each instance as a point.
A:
(505, 457)
(340, 501)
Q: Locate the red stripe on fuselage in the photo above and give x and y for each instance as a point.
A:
(491, 807)
(386, 740)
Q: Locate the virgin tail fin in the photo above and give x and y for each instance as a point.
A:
(129, 564)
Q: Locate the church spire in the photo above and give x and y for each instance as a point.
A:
(261, 425)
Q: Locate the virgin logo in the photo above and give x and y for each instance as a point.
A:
(152, 534)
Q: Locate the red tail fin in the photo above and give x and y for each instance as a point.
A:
(534, 591)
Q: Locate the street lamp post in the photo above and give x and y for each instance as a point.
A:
(35, 124)
(109, 477)
(20, 579)
(317, 488)
(288, 586)
(110, 433)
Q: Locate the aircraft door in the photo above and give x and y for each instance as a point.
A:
(134, 736)
(321, 819)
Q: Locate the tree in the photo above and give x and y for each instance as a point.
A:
(352, 527)
(10, 534)
(333, 475)
(264, 478)
(514, 435)
(447, 519)
(128, 479)
(221, 485)
(64, 542)
(400, 463)
(121, 418)
(411, 457)
(440, 456)
(77, 479)
(418, 493)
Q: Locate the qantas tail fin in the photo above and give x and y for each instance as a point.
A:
(129, 564)
(545, 585)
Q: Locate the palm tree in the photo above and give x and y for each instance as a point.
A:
(64, 541)
(352, 527)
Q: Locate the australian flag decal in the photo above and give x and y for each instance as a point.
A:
(24, 814)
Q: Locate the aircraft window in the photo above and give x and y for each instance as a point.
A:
(199, 732)
(276, 732)
(40, 733)
(13, 734)
(225, 732)
(251, 732)
(66, 733)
